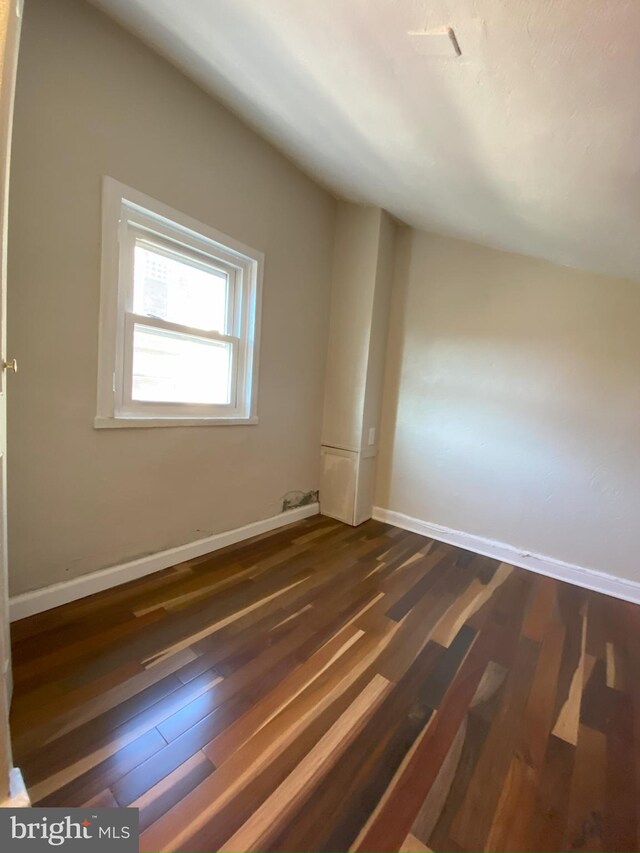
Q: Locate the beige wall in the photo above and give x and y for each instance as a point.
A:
(92, 101)
(355, 260)
(512, 402)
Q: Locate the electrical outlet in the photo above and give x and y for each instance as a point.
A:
(372, 436)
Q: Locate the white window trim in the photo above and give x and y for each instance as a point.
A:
(144, 213)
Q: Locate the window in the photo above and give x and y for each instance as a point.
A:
(179, 315)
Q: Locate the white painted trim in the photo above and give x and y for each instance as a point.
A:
(125, 213)
(48, 597)
(598, 581)
(132, 422)
(18, 794)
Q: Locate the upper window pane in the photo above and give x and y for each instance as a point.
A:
(178, 290)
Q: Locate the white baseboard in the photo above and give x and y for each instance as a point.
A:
(589, 578)
(48, 597)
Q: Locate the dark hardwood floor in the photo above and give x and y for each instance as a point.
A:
(333, 688)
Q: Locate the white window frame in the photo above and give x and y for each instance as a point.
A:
(127, 216)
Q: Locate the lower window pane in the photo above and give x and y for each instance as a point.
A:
(169, 367)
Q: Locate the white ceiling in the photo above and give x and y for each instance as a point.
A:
(530, 141)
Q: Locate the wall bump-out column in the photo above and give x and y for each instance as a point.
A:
(361, 291)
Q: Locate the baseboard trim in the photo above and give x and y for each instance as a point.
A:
(29, 603)
(577, 575)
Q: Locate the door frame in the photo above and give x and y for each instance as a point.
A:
(12, 791)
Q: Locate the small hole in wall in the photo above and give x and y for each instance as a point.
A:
(297, 498)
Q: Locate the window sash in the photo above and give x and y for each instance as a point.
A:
(125, 404)
(175, 250)
(128, 406)
(134, 218)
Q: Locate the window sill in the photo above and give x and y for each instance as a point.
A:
(102, 422)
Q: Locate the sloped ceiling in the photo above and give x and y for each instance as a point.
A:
(529, 141)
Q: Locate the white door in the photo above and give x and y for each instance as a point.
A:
(10, 17)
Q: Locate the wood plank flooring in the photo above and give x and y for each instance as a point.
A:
(335, 688)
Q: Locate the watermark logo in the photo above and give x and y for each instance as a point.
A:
(37, 830)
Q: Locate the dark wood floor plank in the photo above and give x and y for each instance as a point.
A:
(334, 813)
(171, 789)
(622, 797)
(585, 820)
(548, 823)
(392, 824)
(94, 780)
(473, 823)
(473, 732)
(504, 710)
